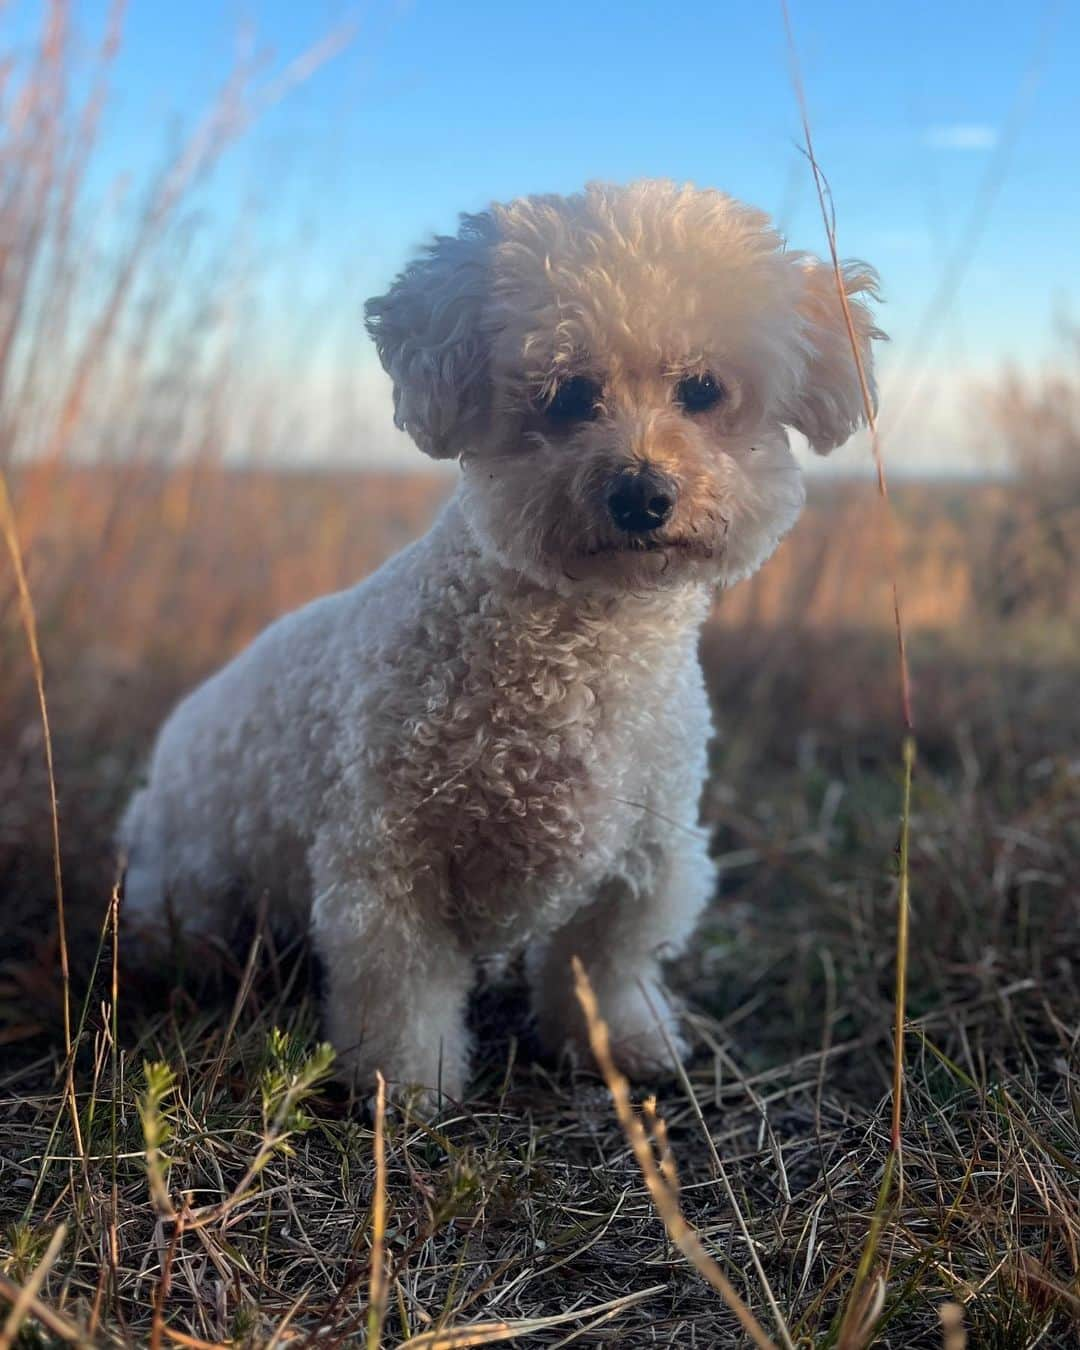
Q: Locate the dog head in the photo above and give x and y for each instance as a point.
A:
(616, 371)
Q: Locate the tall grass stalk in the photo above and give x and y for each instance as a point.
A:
(377, 1283)
(658, 1174)
(29, 620)
(866, 1301)
(668, 1170)
(892, 563)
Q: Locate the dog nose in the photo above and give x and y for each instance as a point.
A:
(641, 500)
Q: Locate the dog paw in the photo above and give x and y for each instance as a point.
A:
(645, 1055)
(646, 1040)
(412, 1100)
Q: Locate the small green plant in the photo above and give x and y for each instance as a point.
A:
(287, 1082)
(291, 1073)
(155, 1104)
(26, 1245)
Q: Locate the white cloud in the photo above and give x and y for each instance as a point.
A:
(962, 136)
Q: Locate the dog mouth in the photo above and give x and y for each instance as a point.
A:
(680, 545)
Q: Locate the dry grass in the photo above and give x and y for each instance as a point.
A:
(529, 1204)
(189, 1175)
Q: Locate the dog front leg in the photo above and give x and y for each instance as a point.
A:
(636, 921)
(397, 986)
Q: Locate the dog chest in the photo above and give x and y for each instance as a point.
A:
(525, 734)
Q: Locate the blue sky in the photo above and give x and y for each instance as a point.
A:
(436, 107)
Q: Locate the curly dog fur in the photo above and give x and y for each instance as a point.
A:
(497, 743)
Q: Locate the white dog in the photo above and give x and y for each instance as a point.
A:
(497, 743)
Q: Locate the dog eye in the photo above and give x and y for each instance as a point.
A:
(574, 400)
(699, 393)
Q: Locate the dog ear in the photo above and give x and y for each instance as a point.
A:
(829, 405)
(427, 331)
